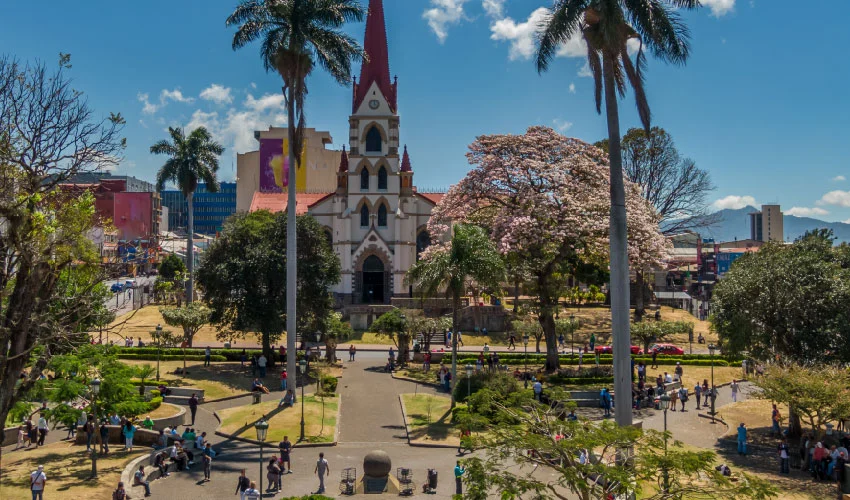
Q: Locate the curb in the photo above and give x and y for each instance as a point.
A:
(407, 379)
(407, 431)
(228, 398)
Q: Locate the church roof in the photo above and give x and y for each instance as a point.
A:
(276, 202)
(405, 161)
(343, 161)
(432, 197)
(377, 66)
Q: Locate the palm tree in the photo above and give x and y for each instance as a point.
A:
(295, 35)
(607, 26)
(471, 258)
(192, 158)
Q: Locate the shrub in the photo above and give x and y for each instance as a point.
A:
(132, 408)
(168, 357)
(20, 412)
(329, 383)
(155, 403)
(155, 393)
(502, 384)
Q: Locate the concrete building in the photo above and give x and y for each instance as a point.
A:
(373, 214)
(767, 224)
(210, 209)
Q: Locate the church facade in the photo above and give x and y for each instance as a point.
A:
(375, 219)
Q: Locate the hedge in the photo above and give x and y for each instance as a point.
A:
(589, 360)
(197, 352)
(169, 357)
(542, 357)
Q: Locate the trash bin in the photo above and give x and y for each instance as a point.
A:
(257, 397)
(227, 345)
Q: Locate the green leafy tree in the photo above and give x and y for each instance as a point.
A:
(192, 158)
(469, 257)
(649, 332)
(336, 330)
(606, 27)
(171, 268)
(50, 287)
(191, 318)
(530, 327)
(296, 35)
(163, 339)
(243, 276)
(400, 326)
(144, 372)
(579, 459)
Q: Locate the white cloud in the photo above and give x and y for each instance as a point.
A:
(806, 211)
(143, 124)
(217, 93)
(734, 202)
(443, 14)
(521, 36)
(165, 95)
(174, 95)
(234, 129)
(148, 108)
(253, 85)
(584, 71)
(572, 88)
(836, 198)
(494, 8)
(720, 8)
(839, 178)
(562, 125)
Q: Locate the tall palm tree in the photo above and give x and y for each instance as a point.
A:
(471, 258)
(192, 158)
(295, 35)
(607, 26)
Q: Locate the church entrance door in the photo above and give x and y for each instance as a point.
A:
(373, 280)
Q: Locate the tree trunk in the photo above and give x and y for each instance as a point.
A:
(455, 323)
(291, 251)
(267, 348)
(516, 294)
(330, 350)
(547, 322)
(640, 309)
(795, 428)
(403, 355)
(618, 253)
(190, 250)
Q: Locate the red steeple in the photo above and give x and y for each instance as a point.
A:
(377, 67)
(343, 162)
(405, 161)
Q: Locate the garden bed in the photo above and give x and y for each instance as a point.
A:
(240, 421)
(428, 419)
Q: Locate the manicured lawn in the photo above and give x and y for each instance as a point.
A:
(429, 417)
(165, 410)
(756, 414)
(284, 422)
(219, 380)
(694, 374)
(67, 469)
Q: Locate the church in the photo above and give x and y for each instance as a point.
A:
(374, 217)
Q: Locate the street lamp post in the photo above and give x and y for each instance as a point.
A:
(302, 367)
(468, 385)
(95, 390)
(262, 428)
(664, 404)
(318, 341)
(158, 348)
(713, 393)
(572, 335)
(525, 345)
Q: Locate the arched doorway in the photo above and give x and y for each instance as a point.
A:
(373, 280)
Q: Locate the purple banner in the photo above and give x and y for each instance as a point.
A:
(273, 166)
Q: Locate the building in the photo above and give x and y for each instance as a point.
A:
(767, 224)
(374, 216)
(259, 171)
(210, 209)
(130, 183)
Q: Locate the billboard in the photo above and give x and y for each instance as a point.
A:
(725, 260)
(274, 166)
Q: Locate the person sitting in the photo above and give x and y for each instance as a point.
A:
(668, 379)
(177, 438)
(200, 441)
(160, 462)
(700, 339)
(148, 423)
(163, 391)
(288, 399)
(139, 479)
(257, 386)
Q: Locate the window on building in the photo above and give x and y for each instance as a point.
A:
(373, 140)
(364, 179)
(364, 216)
(382, 179)
(382, 215)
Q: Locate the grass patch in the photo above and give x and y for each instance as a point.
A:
(429, 417)
(693, 374)
(756, 413)
(67, 469)
(220, 380)
(284, 422)
(165, 410)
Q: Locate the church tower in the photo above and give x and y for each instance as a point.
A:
(377, 192)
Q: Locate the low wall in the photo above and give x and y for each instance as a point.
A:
(172, 421)
(143, 437)
(10, 436)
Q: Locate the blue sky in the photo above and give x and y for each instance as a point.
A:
(762, 103)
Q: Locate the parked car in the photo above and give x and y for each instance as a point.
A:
(669, 349)
(117, 287)
(607, 349)
(130, 284)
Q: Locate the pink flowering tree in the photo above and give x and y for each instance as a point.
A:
(544, 198)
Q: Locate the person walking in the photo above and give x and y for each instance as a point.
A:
(322, 469)
(538, 389)
(140, 480)
(285, 448)
(129, 431)
(252, 493)
(742, 439)
(705, 391)
(683, 396)
(775, 418)
(43, 429)
(89, 427)
(351, 352)
(207, 458)
(243, 484)
(283, 380)
(674, 399)
(679, 371)
(38, 481)
(459, 472)
(104, 437)
(207, 354)
(193, 406)
(261, 364)
(512, 342)
(784, 455)
(697, 393)
(459, 339)
(120, 493)
(655, 358)
(734, 387)
(273, 475)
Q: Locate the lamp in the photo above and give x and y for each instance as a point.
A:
(262, 428)
(95, 390)
(664, 404)
(302, 367)
(713, 393)
(158, 348)
(95, 387)
(525, 346)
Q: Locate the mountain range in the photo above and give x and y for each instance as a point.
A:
(735, 224)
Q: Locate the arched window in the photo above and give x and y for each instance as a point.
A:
(364, 179)
(329, 237)
(373, 140)
(423, 241)
(382, 215)
(364, 216)
(382, 178)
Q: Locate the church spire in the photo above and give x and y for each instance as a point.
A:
(343, 161)
(405, 161)
(377, 66)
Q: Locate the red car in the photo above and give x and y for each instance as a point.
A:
(666, 349)
(607, 349)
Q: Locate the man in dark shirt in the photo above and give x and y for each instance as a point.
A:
(193, 406)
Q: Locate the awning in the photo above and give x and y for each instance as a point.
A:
(672, 295)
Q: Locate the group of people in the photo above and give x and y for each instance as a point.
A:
(487, 358)
(33, 434)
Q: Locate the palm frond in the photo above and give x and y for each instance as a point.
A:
(168, 172)
(163, 147)
(636, 81)
(564, 23)
(594, 62)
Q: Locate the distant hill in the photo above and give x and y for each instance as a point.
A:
(736, 224)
